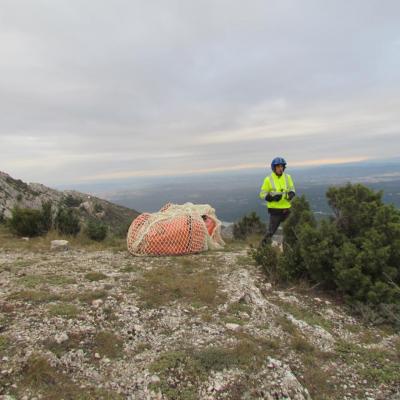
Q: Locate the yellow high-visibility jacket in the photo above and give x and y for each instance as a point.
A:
(275, 184)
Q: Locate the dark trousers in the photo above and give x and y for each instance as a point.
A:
(276, 216)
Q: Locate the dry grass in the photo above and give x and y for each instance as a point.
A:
(42, 243)
(31, 281)
(186, 283)
(108, 344)
(95, 276)
(311, 317)
(4, 343)
(34, 296)
(89, 295)
(42, 378)
(64, 310)
(181, 371)
(75, 341)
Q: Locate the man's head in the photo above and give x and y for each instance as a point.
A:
(279, 169)
(278, 165)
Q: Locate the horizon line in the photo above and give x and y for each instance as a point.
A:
(115, 176)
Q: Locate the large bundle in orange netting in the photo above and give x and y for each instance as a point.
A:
(175, 230)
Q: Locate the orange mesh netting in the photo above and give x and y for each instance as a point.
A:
(175, 230)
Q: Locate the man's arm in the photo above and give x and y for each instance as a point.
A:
(291, 189)
(265, 188)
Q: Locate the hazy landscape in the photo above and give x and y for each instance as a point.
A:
(235, 194)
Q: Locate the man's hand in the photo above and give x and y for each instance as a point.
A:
(291, 194)
(275, 197)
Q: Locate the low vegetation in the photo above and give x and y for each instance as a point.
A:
(96, 230)
(249, 225)
(182, 371)
(354, 253)
(108, 344)
(187, 282)
(95, 276)
(26, 222)
(64, 310)
(40, 377)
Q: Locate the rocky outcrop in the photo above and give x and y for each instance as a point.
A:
(16, 193)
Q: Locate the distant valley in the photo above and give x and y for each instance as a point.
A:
(235, 194)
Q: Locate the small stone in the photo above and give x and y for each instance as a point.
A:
(233, 327)
(97, 303)
(97, 355)
(155, 379)
(59, 245)
(268, 286)
(26, 239)
(5, 358)
(62, 337)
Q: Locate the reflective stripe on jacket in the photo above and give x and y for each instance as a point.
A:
(275, 184)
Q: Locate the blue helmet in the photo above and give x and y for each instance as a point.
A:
(278, 161)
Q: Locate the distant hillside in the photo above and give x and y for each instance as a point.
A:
(14, 192)
(234, 194)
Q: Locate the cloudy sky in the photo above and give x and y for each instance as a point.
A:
(94, 89)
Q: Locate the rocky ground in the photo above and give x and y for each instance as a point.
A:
(87, 324)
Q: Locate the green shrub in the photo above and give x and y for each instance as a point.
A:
(47, 216)
(268, 257)
(122, 230)
(300, 218)
(96, 230)
(70, 201)
(67, 222)
(248, 225)
(354, 207)
(26, 222)
(31, 222)
(98, 208)
(355, 252)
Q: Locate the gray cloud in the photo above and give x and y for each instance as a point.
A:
(90, 88)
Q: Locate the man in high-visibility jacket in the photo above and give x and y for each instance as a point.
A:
(278, 191)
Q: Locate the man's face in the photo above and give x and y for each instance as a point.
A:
(279, 169)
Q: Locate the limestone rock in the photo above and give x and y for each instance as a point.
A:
(59, 245)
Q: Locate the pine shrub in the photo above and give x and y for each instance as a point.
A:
(248, 225)
(31, 222)
(25, 222)
(71, 201)
(67, 222)
(47, 216)
(96, 230)
(355, 252)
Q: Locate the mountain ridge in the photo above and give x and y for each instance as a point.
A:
(17, 193)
